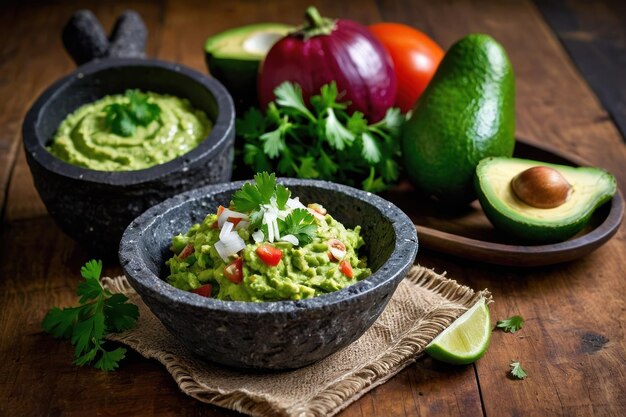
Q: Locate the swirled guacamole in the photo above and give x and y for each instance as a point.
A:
(130, 131)
(267, 246)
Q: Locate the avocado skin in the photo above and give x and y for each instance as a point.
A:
(526, 229)
(466, 113)
(238, 72)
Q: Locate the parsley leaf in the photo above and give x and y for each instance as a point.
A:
(517, 371)
(511, 325)
(123, 118)
(301, 224)
(86, 324)
(323, 141)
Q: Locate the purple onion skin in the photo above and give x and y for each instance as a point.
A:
(350, 56)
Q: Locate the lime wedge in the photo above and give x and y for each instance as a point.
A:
(466, 339)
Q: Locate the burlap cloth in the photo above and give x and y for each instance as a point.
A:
(424, 304)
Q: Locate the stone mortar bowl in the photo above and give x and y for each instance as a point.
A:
(94, 207)
(269, 335)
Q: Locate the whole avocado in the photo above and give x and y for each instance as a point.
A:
(466, 113)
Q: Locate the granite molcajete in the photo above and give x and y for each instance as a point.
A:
(94, 207)
(270, 335)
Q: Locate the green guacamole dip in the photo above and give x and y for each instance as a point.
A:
(303, 271)
(84, 139)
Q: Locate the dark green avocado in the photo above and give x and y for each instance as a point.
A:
(590, 188)
(233, 56)
(466, 113)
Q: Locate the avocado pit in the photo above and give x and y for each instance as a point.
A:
(541, 187)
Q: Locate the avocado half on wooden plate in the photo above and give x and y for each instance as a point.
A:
(468, 233)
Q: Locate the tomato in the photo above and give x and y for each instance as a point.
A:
(339, 246)
(187, 250)
(204, 290)
(346, 268)
(415, 57)
(234, 220)
(269, 254)
(234, 271)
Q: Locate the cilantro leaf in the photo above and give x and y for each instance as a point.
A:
(123, 118)
(290, 95)
(307, 168)
(251, 196)
(371, 151)
(512, 324)
(86, 324)
(272, 143)
(118, 120)
(372, 184)
(59, 323)
(336, 134)
(327, 98)
(252, 125)
(109, 360)
(301, 224)
(517, 371)
(141, 110)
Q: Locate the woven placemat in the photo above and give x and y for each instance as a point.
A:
(424, 304)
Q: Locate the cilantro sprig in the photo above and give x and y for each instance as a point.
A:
(517, 371)
(301, 224)
(85, 325)
(323, 142)
(511, 324)
(123, 118)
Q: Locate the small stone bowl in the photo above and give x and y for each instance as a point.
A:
(269, 335)
(94, 207)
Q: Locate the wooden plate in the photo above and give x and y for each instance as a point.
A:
(467, 233)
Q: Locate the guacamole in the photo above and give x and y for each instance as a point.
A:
(85, 138)
(229, 258)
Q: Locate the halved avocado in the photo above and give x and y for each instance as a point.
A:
(590, 188)
(233, 56)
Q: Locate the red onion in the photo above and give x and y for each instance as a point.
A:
(327, 50)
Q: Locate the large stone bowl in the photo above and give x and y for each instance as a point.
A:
(269, 335)
(94, 207)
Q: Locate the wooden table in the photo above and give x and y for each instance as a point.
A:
(572, 345)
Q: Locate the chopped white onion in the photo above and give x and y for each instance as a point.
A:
(337, 253)
(230, 214)
(291, 239)
(226, 229)
(294, 203)
(258, 236)
(230, 247)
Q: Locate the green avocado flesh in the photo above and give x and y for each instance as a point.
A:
(466, 113)
(591, 187)
(303, 271)
(233, 56)
(83, 139)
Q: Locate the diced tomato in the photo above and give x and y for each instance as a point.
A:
(336, 244)
(346, 268)
(220, 209)
(187, 250)
(204, 290)
(234, 271)
(269, 254)
(234, 220)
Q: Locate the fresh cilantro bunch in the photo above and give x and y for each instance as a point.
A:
(323, 142)
(263, 195)
(85, 325)
(123, 119)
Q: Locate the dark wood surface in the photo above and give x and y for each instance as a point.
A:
(594, 34)
(572, 345)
